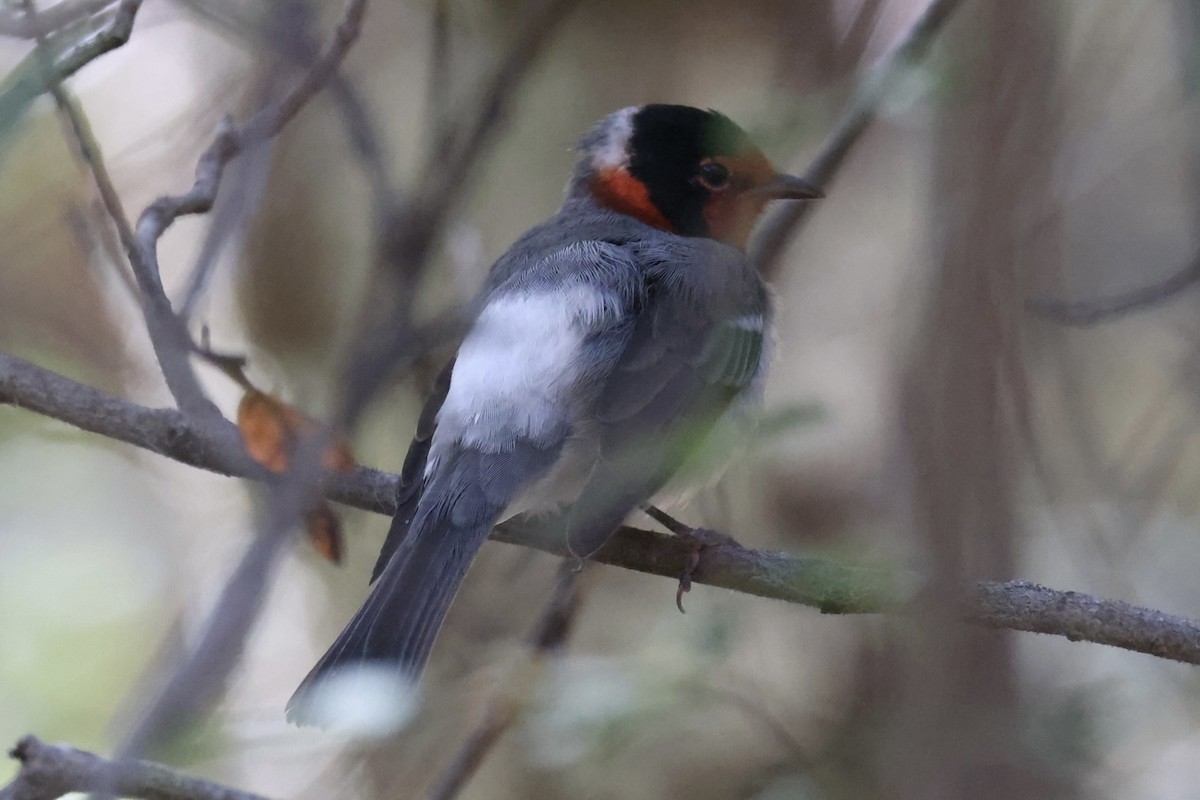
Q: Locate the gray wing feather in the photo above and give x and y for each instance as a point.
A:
(688, 355)
(412, 474)
(733, 355)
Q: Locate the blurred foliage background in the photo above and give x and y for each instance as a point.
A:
(1045, 149)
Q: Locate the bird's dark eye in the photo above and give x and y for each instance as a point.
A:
(714, 175)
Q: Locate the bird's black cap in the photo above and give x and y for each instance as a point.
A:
(666, 148)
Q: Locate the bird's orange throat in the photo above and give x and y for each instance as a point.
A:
(731, 217)
(616, 189)
(730, 214)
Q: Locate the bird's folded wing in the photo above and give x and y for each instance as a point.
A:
(545, 337)
(684, 363)
(412, 474)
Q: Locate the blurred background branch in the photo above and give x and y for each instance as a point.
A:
(832, 588)
(876, 86)
(51, 771)
(16, 22)
(78, 49)
(1083, 313)
(514, 693)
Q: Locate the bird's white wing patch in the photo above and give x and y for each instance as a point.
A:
(516, 366)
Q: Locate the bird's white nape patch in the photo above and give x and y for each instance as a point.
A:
(614, 149)
(516, 366)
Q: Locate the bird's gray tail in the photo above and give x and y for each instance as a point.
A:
(393, 632)
(384, 648)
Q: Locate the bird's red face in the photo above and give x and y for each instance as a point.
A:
(688, 171)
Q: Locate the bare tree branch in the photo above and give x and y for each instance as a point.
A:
(173, 344)
(832, 588)
(51, 771)
(168, 333)
(166, 431)
(200, 677)
(28, 79)
(783, 222)
(169, 336)
(37, 72)
(170, 339)
(78, 128)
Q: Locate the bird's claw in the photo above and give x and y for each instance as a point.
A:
(685, 578)
(695, 540)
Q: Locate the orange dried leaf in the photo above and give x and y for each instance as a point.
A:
(263, 425)
(270, 429)
(325, 533)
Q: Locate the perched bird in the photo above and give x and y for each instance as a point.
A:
(609, 339)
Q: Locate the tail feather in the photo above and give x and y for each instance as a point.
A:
(394, 631)
(400, 620)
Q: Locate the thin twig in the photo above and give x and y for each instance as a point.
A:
(108, 38)
(413, 228)
(548, 638)
(445, 175)
(1085, 313)
(238, 202)
(36, 73)
(782, 223)
(80, 131)
(666, 520)
(170, 340)
(201, 676)
(51, 771)
(832, 588)
(300, 47)
(437, 87)
(65, 14)
(287, 33)
(173, 345)
(453, 158)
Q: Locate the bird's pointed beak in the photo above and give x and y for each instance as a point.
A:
(788, 187)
